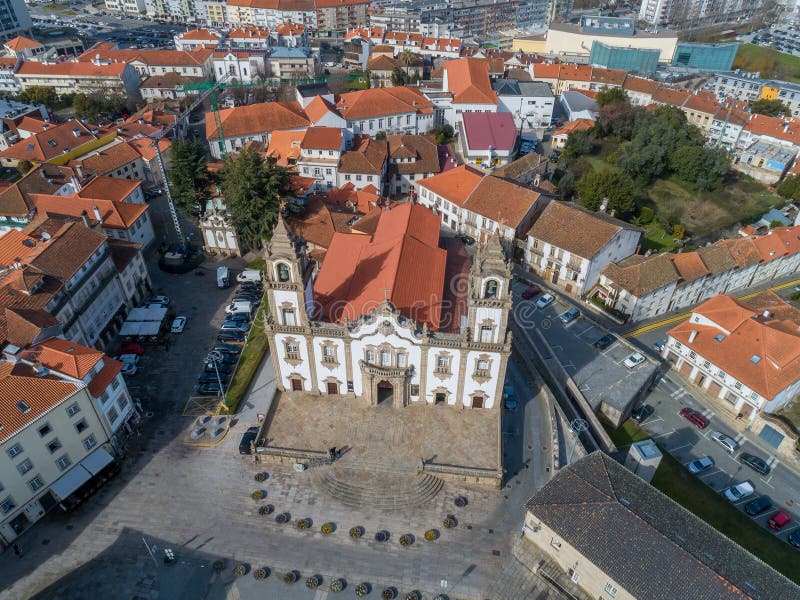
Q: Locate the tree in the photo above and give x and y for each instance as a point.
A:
(444, 135)
(252, 187)
(407, 58)
(617, 118)
(771, 108)
(100, 104)
(188, 176)
(398, 77)
(38, 94)
(790, 187)
(699, 167)
(611, 184)
(578, 144)
(608, 95)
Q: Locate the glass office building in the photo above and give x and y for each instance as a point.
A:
(634, 60)
(706, 57)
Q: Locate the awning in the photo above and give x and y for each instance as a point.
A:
(98, 459)
(71, 481)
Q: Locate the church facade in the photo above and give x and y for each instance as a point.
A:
(399, 316)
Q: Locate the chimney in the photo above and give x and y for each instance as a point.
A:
(76, 132)
(692, 335)
(85, 219)
(97, 214)
(766, 314)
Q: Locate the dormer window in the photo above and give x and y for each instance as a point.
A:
(283, 272)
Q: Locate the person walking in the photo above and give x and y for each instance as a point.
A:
(17, 550)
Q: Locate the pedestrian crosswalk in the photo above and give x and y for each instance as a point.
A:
(739, 438)
(772, 462)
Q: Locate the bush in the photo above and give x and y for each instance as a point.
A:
(646, 215)
(678, 232)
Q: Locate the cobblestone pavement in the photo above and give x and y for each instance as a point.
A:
(197, 502)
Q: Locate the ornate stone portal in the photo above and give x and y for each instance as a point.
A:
(378, 380)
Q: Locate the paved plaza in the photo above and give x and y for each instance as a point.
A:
(394, 439)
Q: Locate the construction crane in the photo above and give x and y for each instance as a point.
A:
(183, 117)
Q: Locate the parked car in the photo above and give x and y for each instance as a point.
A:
(728, 443)
(248, 437)
(509, 398)
(217, 367)
(131, 348)
(242, 306)
(249, 275)
(222, 357)
(794, 538)
(235, 325)
(230, 335)
(779, 520)
(570, 315)
(128, 358)
(604, 342)
(633, 360)
(248, 296)
(129, 368)
(659, 345)
(640, 414)
(738, 492)
(545, 301)
(700, 465)
(251, 285)
(159, 300)
(212, 378)
(531, 292)
(694, 417)
(178, 324)
(227, 349)
(241, 317)
(467, 240)
(755, 463)
(758, 506)
(211, 388)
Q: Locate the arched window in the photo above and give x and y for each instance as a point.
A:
(490, 291)
(283, 272)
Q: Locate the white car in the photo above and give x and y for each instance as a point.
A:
(740, 491)
(728, 443)
(700, 465)
(163, 300)
(129, 368)
(178, 324)
(545, 301)
(132, 359)
(634, 360)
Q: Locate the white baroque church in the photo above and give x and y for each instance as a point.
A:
(403, 315)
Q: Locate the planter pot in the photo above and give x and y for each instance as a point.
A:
(283, 518)
(261, 573)
(382, 536)
(389, 593)
(266, 509)
(460, 501)
(240, 570)
(304, 523)
(337, 585)
(356, 532)
(290, 577)
(431, 535)
(314, 582)
(261, 477)
(258, 495)
(449, 522)
(218, 565)
(362, 589)
(327, 528)
(406, 539)
(415, 595)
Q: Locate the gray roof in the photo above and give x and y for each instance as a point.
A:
(645, 542)
(309, 90)
(528, 89)
(577, 101)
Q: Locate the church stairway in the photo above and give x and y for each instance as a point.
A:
(377, 490)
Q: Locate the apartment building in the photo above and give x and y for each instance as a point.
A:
(14, 19)
(147, 63)
(69, 77)
(321, 150)
(325, 17)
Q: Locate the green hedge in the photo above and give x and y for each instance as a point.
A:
(255, 347)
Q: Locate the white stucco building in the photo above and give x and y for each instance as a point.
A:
(390, 330)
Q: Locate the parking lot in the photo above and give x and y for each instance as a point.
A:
(599, 373)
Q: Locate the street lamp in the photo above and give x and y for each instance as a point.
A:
(577, 426)
(219, 379)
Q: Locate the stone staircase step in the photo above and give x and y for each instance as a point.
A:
(384, 493)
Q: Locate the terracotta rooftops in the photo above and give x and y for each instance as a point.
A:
(581, 124)
(64, 357)
(200, 35)
(71, 69)
(454, 185)
(53, 141)
(378, 102)
(757, 342)
(107, 160)
(642, 275)
(322, 138)
(367, 156)
(486, 130)
(21, 43)
(502, 201)
(640, 84)
(360, 271)
(284, 147)
(559, 222)
(257, 118)
(468, 80)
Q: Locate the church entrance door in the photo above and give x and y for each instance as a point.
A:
(385, 392)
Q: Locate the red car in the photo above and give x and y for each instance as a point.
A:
(694, 417)
(779, 520)
(531, 292)
(131, 348)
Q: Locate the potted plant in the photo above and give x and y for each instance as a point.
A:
(431, 535)
(362, 589)
(337, 585)
(218, 565)
(356, 532)
(261, 573)
(258, 495)
(406, 539)
(460, 501)
(282, 518)
(314, 582)
(327, 528)
(415, 595)
(449, 522)
(290, 577)
(261, 477)
(389, 593)
(441, 597)
(266, 509)
(240, 570)
(303, 523)
(382, 536)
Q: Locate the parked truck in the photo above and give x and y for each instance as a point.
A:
(223, 279)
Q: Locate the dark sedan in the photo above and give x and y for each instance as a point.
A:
(758, 506)
(604, 342)
(209, 389)
(227, 349)
(755, 463)
(231, 335)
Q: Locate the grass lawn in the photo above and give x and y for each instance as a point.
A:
(627, 434)
(258, 263)
(769, 62)
(255, 347)
(655, 238)
(676, 482)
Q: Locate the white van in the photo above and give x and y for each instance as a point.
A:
(249, 275)
(222, 277)
(240, 306)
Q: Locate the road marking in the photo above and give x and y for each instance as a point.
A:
(665, 433)
(557, 347)
(788, 529)
(676, 448)
(713, 471)
(708, 413)
(766, 482)
(651, 421)
(589, 328)
(773, 461)
(739, 437)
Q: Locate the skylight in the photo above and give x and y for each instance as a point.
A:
(23, 406)
(719, 337)
(755, 359)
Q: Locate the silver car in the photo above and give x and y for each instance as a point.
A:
(728, 443)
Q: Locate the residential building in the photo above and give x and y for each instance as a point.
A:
(197, 38)
(68, 277)
(468, 88)
(572, 262)
(576, 105)
(20, 120)
(69, 77)
(321, 149)
(640, 90)
(240, 65)
(746, 353)
(8, 79)
(117, 159)
(411, 158)
(133, 275)
(390, 110)
(54, 142)
(694, 14)
(365, 164)
(530, 103)
(15, 19)
(326, 17)
(25, 48)
(248, 37)
(170, 86)
(365, 336)
(561, 135)
(612, 535)
(383, 66)
(253, 122)
(51, 444)
(290, 35)
(147, 62)
(291, 63)
(486, 139)
(764, 161)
